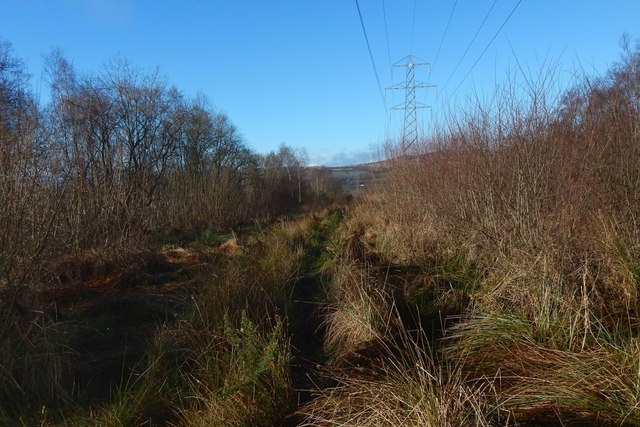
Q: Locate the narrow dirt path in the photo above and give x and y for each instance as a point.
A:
(306, 342)
(305, 313)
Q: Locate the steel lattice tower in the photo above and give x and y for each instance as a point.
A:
(411, 105)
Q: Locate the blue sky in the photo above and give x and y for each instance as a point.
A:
(298, 71)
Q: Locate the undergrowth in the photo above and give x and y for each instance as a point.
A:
(219, 354)
(506, 249)
(491, 280)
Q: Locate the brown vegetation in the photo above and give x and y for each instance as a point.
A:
(523, 213)
(491, 277)
(124, 300)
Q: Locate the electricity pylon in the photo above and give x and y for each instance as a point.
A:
(410, 106)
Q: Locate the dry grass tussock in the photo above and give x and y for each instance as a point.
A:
(404, 386)
(398, 235)
(357, 311)
(359, 297)
(596, 384)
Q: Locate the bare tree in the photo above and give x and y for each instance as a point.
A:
(29, 196)
(117, 135)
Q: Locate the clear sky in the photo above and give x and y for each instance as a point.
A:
(298, 71)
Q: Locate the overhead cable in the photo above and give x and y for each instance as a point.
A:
(487, 47)
(445, 32)
(373, 64)
(486, 16)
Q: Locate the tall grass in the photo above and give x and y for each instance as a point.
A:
(248, 385)
(405, 384)
(227, 361)
(357, 311)
(211, 348)
(35, 367)
(592, 385)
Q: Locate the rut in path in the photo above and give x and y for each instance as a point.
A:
(306, 324)
(307, 338)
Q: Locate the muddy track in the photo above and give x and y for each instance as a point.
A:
(307, 338)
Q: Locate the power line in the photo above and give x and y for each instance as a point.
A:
(373, 64)
(386, 32)
(486, 48)
(469, 45)
(445, 32)
(413, 25)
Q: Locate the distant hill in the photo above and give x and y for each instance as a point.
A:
(353, 178)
